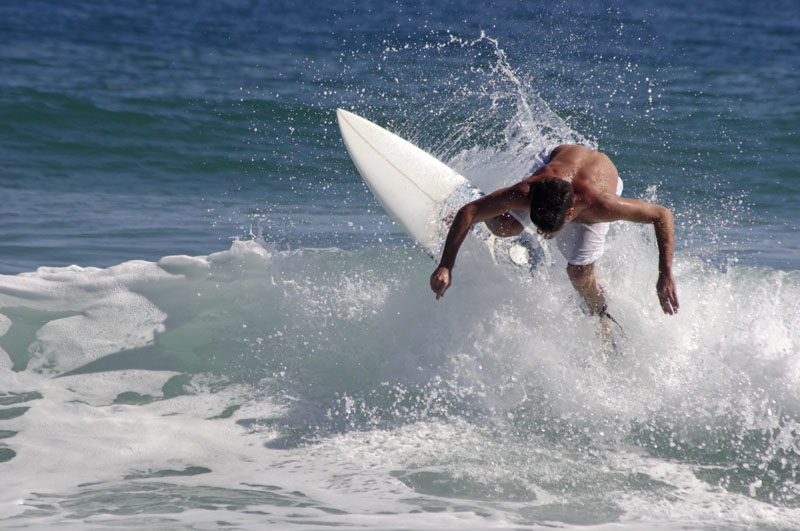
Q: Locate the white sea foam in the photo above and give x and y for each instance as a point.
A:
(491, 407)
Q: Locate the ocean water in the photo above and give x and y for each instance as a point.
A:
(208, 322)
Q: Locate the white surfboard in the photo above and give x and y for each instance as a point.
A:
(422, 193)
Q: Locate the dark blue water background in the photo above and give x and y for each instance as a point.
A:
(134, 130)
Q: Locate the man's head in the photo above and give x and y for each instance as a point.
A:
(551, 204)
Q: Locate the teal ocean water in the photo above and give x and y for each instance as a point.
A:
(207, 320)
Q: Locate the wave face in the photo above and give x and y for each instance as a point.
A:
(323, 385)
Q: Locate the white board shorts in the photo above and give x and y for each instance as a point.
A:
(580, 243)
(583, 243)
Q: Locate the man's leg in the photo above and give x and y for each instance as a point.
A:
(504, 225)
(585, 283)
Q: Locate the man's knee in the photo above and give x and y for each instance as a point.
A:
(580, 274)
(504, 225)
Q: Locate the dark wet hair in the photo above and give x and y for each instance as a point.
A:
(550, 200)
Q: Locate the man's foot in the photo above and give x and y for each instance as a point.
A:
(610, 333)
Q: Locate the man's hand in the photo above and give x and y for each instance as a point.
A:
(667, 293)
(440, 281)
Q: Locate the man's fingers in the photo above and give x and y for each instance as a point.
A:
(440, 281)
(669, 302)
(667, 294)
(438, 288)
(436, 285)
(672, 297)
(440, 291)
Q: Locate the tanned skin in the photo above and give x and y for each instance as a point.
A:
(594, 180)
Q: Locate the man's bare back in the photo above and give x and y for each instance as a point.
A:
(592, 174)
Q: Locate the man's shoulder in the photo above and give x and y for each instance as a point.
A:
(604, 207)
(568, 148)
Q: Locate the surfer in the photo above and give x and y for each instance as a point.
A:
(572, 197)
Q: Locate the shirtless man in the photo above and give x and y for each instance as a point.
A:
(573, 197)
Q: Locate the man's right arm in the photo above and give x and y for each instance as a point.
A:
(487, 207)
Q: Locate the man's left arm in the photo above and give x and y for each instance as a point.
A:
(622, 208)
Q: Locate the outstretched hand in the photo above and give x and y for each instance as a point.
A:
(440, 281)
(667, 293)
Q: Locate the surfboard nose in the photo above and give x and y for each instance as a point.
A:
(341, 114)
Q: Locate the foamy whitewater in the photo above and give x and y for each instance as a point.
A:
(249, 342)
(321, 387)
